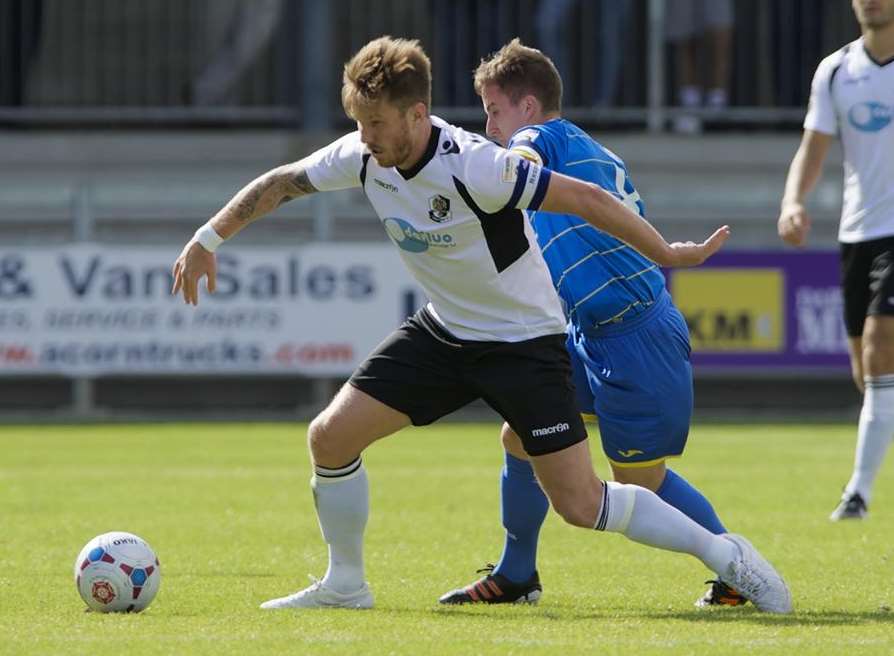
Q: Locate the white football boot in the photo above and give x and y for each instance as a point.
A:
(755, 579)
(319, 596)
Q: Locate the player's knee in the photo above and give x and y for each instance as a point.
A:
(626, 476)
(650, 478)
(315, 438)
(878, 359)
(878, 348)
(323, 442)
(512, 443)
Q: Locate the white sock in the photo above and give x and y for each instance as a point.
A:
(874, 433)
(342, 500)
(640, 515)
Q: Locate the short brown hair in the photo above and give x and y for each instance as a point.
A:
(519, 70)
(394, 70)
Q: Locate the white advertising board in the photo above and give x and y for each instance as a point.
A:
(91, 309)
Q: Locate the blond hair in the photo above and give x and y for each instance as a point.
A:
(395, 70)
(519, 71)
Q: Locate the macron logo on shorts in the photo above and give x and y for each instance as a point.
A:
(561, 427)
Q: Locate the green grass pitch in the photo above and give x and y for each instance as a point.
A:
(229, 512)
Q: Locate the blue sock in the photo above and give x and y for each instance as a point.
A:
(679, 493)
(524, 507)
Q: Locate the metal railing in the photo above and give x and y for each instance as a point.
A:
(278, 62)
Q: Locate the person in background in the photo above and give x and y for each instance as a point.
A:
(613, 17)
(248, 30)
(701, 33)
(852, 96)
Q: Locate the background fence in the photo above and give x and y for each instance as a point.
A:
(278, 62)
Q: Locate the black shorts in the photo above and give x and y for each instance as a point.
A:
(425, 372)
(867, 281)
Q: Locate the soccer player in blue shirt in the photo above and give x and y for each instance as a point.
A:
(629, 344)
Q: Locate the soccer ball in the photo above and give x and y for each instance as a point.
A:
(117, 572)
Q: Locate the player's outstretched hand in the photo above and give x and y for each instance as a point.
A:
(686, 254)
(193, 263)
(794, 224)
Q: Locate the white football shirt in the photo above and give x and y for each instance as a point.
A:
(457, 221)
(853, 95)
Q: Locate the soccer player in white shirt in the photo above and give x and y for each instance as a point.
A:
(853, 95)
(493, 329)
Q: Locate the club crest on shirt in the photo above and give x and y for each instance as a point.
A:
(439, 209)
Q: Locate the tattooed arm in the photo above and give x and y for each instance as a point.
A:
(261, 196)
(336, 166)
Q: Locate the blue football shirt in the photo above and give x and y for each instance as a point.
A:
(600, 279)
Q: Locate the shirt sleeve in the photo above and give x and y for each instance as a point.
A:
(821, 115)
(498, 179)
(531, 144)
(336, 166)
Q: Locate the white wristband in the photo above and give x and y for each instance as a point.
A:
(208, 238)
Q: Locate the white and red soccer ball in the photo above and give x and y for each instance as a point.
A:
(117, 572)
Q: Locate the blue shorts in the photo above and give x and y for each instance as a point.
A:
(635, 376)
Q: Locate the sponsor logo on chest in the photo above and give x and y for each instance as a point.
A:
(870, 116)
(409, 238)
